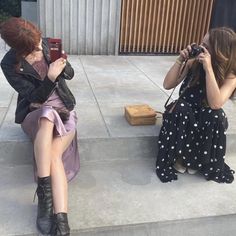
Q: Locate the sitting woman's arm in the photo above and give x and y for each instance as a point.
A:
(26, 88)
(68, 71)
(178, 71)
(216, 96)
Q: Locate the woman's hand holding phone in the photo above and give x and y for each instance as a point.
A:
(55, 68)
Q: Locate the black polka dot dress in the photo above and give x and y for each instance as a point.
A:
(194, 134)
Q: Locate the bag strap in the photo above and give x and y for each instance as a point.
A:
(179, 76)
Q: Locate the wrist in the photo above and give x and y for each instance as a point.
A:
(51, 77)
(179, 61)
(209, 72)
(208, 68)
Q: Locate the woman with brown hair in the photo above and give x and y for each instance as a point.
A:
(51, 124)
(192, 136)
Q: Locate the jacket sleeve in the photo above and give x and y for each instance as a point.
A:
(68, 71)
(26, 88)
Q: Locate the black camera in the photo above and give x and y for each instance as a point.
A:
(196, 50)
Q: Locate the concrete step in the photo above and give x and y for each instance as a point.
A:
(216, 226)
(114, 139)
(124, 198)
(19, 151)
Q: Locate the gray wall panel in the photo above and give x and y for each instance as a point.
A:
(57, 16)
(73, 26)
(112, 27)
(105, 26)
(97, 26)
(118, 19)
(66, 25)
(29, 11)
(89, 26)
(85, 26)
(82, 27)
(49, 14)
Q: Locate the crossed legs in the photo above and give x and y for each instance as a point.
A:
(48, 152)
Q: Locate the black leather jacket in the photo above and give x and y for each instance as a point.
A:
(29, 86)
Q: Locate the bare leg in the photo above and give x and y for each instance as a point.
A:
(48, 155)
(42, 147)
(59, 181)
(42, 150)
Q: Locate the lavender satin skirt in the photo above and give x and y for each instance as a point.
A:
(70, 157)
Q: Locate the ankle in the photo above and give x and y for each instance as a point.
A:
(60, 225)
(61, 216)
(179, 166)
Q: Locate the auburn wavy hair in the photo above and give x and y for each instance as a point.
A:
(222, 42)
(21, 35)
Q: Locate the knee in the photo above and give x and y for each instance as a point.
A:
(215, 117)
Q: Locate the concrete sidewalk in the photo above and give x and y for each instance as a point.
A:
(116, 191)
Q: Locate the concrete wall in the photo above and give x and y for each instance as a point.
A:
(29, 11)
(85, 26)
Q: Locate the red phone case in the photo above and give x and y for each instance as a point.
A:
(63, 54)
(55, 48)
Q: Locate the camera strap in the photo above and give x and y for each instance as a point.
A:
(179, 77)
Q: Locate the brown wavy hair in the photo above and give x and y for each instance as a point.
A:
(222, 42)
(21, 35)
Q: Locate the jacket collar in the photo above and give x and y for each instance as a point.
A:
(26, 68)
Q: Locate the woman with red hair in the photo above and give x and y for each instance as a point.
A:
(51, 124)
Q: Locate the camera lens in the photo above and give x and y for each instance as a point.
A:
(196, 50)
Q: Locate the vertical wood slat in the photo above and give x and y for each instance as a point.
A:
(135, 23)
(158, 31)
(153, 28)
(149, 27)
(177, 28)
(174, 24)
(140, 24)
(166, 21)
(182, 29)
(144, 25)
(131, 25)
(122, 31)
(163, 26)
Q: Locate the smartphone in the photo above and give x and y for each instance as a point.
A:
(56, 52)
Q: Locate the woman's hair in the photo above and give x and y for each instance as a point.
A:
(21, 35)
(223, 51)
(222, 42)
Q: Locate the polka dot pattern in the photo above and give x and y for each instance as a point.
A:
(196, 134)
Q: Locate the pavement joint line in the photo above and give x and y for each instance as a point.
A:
(107, 129)
(156, 85)
(8, 107)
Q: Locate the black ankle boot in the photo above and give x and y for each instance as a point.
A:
(60, 225)
(45, 205)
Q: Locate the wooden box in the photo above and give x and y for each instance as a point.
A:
(141, 114)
